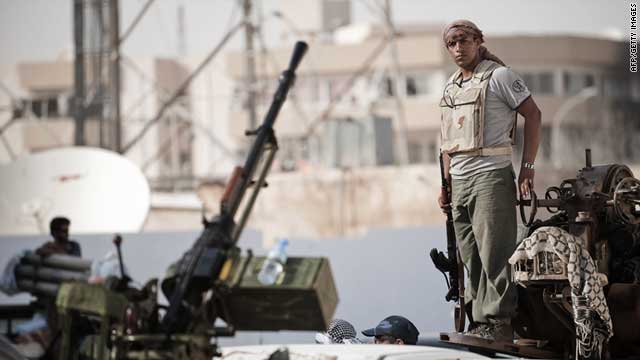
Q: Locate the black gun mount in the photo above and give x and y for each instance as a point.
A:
(598, 196)
(600, 210)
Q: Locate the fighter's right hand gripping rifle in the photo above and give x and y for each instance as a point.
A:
(451, 264)
(201, 266)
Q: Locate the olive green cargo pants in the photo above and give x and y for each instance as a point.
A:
(484, 218)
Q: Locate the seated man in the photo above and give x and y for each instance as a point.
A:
(59, 227)
(394, 330)
(61, 245)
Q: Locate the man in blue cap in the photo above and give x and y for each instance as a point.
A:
(394, 330)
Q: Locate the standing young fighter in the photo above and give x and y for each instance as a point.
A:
(479, 106)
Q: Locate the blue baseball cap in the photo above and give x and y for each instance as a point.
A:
(396, 326)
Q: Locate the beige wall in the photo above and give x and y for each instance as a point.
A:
(328, 202)
(323, 59)
(41, 135)
(555, 50)
(45, 76)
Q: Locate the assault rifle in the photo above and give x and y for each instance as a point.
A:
(201, 266)
(451, 264)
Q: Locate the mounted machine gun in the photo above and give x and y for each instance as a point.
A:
(213, 290)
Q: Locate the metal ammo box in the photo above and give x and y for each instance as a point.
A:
(304, 297)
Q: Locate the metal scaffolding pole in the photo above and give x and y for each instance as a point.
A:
(78, 99)
(250, 65)
(97, 71)
(114, 63)
(401, 130)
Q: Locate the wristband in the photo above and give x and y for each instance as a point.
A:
(528, 165)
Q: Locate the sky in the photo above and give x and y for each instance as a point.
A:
(41, 30)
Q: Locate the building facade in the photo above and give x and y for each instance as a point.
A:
(582, 85)
(38, 104)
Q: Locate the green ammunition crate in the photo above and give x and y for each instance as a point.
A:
(304, 297)
(91, 299)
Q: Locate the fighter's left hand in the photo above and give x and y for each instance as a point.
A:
(525, 181)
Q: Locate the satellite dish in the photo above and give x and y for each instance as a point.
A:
(98, 190)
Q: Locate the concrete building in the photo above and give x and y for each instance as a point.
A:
(187, 146)
(39, 96)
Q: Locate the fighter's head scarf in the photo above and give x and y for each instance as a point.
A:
(339, 332)
(473, 30)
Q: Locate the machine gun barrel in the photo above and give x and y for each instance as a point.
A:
(264, 134)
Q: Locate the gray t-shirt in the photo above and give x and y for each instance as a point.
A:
(506, 91)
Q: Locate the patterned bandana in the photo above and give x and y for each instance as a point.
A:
(590, 311)
(473, 30)
(340, 329)
(464, 25)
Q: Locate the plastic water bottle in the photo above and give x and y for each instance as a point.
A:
(273, 265)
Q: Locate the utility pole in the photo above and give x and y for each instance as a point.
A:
(401, 129)
(78, 98)
(97, 73)
(114, 64)
(250, 65)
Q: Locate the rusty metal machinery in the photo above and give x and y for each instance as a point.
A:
(599, 210)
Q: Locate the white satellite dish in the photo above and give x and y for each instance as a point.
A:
(98, 190)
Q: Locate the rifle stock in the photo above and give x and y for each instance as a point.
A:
(451, 264)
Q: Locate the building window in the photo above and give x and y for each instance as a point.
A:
(545, 84)
(294, 153)
(635, 88)
(589, 80)
(573, 83)
(43, 107)
(38, 108)
(422, 151)
(412, 87)
(417, 84)
(617, 86)
(388, 87)
(415, 153)
(52, 107)
(539, 83)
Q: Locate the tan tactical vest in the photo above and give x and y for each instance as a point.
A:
(462, 122)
